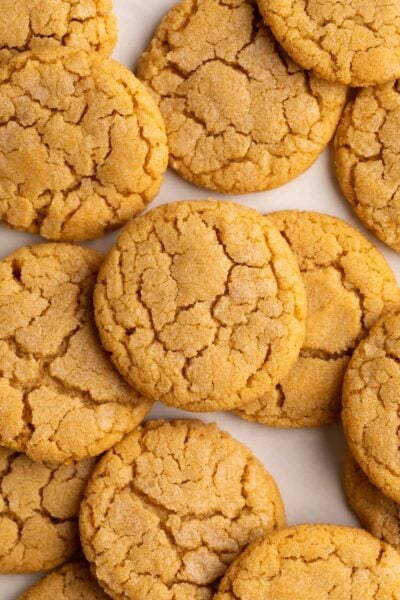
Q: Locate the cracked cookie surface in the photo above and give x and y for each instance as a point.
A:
(39, 505)
(379, 515)
(82, 144)
(348, 285)
(314, 562)
(240, 115)
(60, 397)
(367, 153)
(355, 42)
(201, 305)
(371, 416)
(169, 508)
(71, 582)
(85, 24)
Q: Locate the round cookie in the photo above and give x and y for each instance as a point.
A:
(367, 150)
(379, 515)
(356, 42)
(60, 397)
(85, 24)
(169, 508)
(348, 285)
(314, 562)
(370, 413)
(201, 305)
(39, 505)
(71, 582)
(240, 115)
(82, 144)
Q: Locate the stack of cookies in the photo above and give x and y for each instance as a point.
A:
(203, 305)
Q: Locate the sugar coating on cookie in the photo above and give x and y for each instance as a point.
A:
(370, 414)
(82, 144)
(240, 115)
(60, 397)
(355, 42)
(39, 505)
(169, 508)
(367, 152)
(379, 515)
(348, 284)
(314, 562)
(201, 305)
(72, 582)
(85, 24)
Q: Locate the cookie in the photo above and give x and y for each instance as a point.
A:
(71, 582)
(39, 504)
(370, 413)
(367, 152)
(85, 24)
(82, 144)
(60, 397)
(201, 305)
(356, 42)
(170, 507)
(314, 562)
(240, 115)
(348, 285)
(379, 515)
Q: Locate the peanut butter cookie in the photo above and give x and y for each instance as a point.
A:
(39, 505)
(82, 144)
(370, 414)
(201, 305)
(85, 24)
(60, 397)
(314, 562)
(169, 508)
(367, 152)
(240, 115)
(355, 42)
(71, 582)
(379, 515)
(348, 285)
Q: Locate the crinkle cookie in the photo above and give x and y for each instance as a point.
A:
(39, 504)
(85, 24)
(367, 156)
(348, 285)
(60, 397)
(201, 305)
(240, 115)
(314, 562)
(355, 42)
(71, 582)
(82, 144)
(379, 515)
(370, 414)
(169, 508)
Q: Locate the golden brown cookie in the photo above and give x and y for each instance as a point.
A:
(82, 144)
(85, 24)
(379, 515)
(60, 397)
(170, 507)
(240, 115)
(348, 284)
(370, 414)
(39, 505)
(367, 149)
(355, 42)
(201, 305)
(71, 582)
(314, 562)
